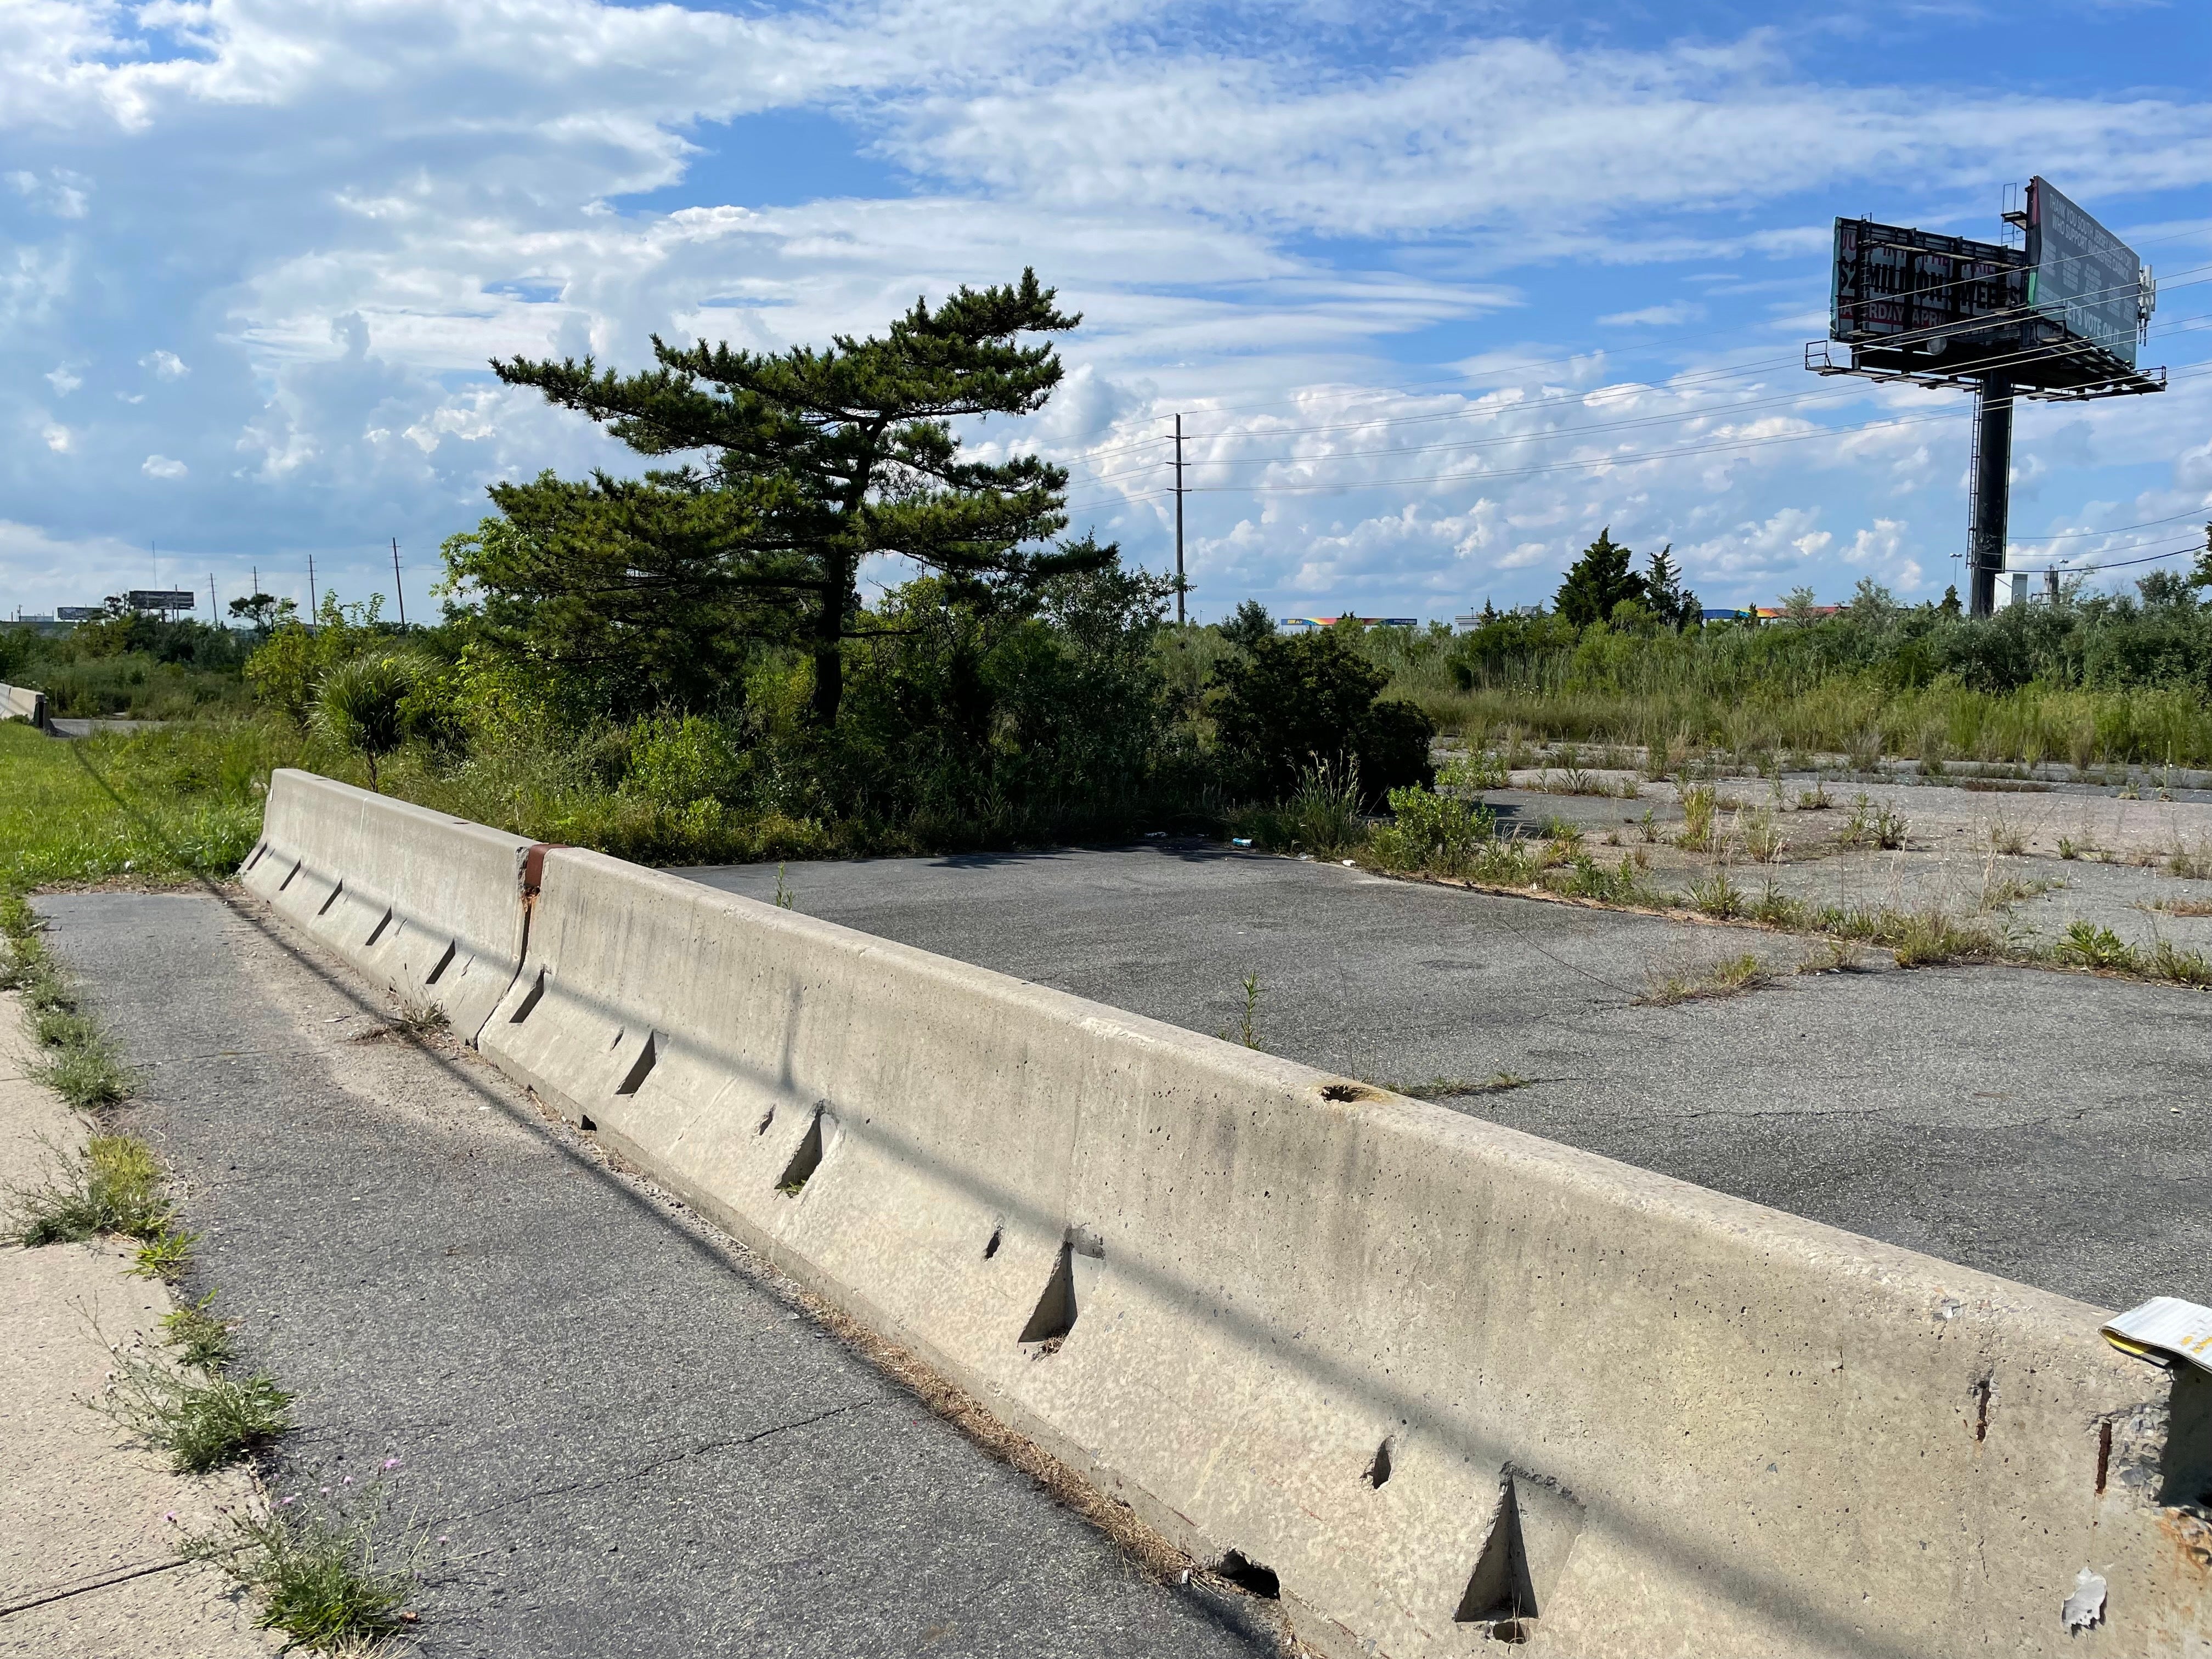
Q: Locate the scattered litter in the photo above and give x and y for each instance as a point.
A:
(1349, 864)
(2161, 1329)
(1240, 840)
(1305, 858)
(2085, 1609)
(1154, 835)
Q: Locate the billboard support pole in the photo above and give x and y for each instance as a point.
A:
(1181, 585)
(1992, 502)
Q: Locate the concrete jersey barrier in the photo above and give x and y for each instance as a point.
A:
(1435, 1382)
(429, 907)
(21, 703)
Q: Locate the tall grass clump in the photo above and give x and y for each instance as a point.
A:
(333, 1581)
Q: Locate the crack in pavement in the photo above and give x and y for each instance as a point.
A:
(45, 1595)
(659, 1463)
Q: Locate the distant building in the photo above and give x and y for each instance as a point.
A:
(1314, 624)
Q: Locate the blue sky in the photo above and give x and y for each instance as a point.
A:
(1439, 295)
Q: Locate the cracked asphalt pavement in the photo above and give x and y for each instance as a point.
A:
(2051, 1127)
(633, 1443)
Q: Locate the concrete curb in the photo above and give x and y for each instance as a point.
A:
(1437, 1379)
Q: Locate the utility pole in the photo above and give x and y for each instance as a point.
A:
(1180, 583)
(402, 598)
(1986, 526)
(215, 612)
(314, 603)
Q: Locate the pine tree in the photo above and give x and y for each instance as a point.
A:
(813, 460)
(1669, 601)
(1950, 607)
(1598, 581)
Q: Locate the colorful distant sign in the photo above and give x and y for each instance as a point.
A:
(1308, 624)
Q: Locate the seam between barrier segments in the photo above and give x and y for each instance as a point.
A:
(531, 878)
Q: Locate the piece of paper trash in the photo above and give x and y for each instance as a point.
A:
(2164, 1327)
(2085, 1609)
(1240, 840)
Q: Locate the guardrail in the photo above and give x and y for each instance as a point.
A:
(1432, 1379)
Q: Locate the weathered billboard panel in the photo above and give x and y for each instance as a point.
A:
(2081, 275)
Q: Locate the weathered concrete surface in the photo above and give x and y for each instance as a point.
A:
(427, 905)
(2048, 1127)
(1236, 1286)
(21, 703)
(633, 1441)
(88, 1524)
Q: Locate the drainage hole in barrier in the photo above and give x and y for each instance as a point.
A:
(331, 900)
(584, 1122)
(444, 963)
(1379, 1471)
(377, 931)
(287, 882)
(991, 1249)
(1512, 1631)
(803, 1162)
(258, 852)
(642, 1067)
(1250, 1576)
(767, 1118)
(1053, 1316)
(529, 1003)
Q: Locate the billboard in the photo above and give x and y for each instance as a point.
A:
(79, 613)
(163, 598)
(1945, 308)
(2083, 277)
(1905, 297)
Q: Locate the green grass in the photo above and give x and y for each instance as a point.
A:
(203, 1422)
(115, 1186)
(165, 805)
(1664, 988)
(201, 1337)
(333, 1582)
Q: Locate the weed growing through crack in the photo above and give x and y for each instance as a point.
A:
(1717, 896)
(783, 899)
(2088, 946)
(1698, 801)
(2181, 907)
(82, 1065)
(1451, 1088)
(333, 1582)
(1664, 988)
(2007, 837)
(1835, 956)
(1815, 800)
(165, 1258)
(201, 1337)
(1247, 1030)
(419, 1021)
(202, 1422)
(114, 1185)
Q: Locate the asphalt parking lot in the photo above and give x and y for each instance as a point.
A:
(2049, 1127)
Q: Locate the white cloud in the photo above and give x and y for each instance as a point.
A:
(63, 381)
(59, 438)
(161, 466)
(1197, 189)
(1666, 316)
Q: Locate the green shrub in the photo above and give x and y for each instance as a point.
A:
(1285, 704)
(114, 1185)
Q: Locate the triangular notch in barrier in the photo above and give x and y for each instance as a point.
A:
(1501, 1589)
(1054, 1317)
(803, 1162)
(642, 1067)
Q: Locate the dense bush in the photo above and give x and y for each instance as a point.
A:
(1287, 704)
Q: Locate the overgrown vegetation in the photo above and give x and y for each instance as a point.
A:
(333, 1581)
(203, 1419)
